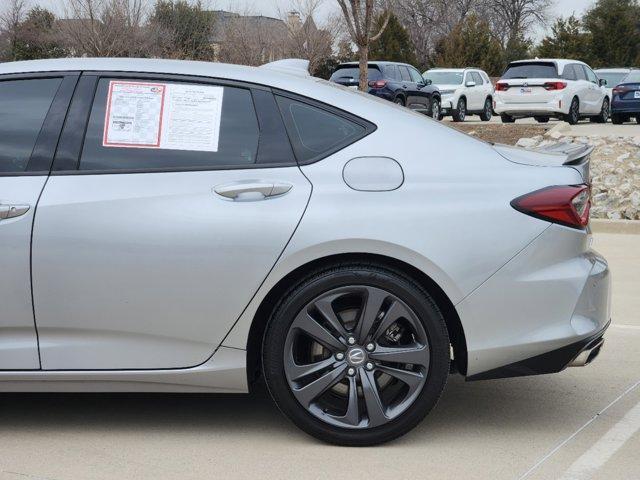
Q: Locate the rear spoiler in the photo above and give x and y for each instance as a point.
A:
(578, 156)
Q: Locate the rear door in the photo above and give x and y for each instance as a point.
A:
(32, 109)
(159, 224)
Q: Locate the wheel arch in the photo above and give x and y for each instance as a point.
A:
(269, 302)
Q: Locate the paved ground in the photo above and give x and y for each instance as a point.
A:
(584, 127)
(582, 423)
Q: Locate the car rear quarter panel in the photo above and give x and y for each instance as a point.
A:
(451, 218)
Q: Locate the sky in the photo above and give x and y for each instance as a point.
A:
(272, 7)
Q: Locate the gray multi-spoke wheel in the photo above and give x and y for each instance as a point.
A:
(356, 355)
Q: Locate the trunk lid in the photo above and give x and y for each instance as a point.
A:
(573, 155)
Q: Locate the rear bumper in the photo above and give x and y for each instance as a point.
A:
(625, 106)
(540, 311)
(555, 106)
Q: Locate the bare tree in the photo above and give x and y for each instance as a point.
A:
(10, 19)
(248, 39)
(359, 17)
(306, 38)
(512, 19)
(105, 28)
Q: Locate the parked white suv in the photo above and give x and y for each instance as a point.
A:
(566, 89)
(464, 91)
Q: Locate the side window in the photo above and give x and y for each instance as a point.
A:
(315, 132)
(415, 76)
(590, 75)
(477, 78)
(569, 73)
(23, 107)
(390, 72)
(143, 124)
(580, 73)
(404, 73)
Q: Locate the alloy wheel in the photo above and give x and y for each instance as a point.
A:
(356, 357)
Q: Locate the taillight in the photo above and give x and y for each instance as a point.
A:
(555, 85)
(502, 86)
(566, 205)
(378, 84)
(620, 89)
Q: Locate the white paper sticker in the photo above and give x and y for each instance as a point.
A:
(165, 116)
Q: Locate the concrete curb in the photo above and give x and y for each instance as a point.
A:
(601, 225)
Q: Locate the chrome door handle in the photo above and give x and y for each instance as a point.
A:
(12, 211)
(252, 191)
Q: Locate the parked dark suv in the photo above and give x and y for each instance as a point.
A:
(396, 82)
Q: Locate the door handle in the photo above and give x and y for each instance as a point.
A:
(252, 191)
(12, 211)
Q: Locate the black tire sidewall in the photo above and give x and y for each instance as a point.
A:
(403, 288)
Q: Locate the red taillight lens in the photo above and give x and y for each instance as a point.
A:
(620, 89)
(378, 84)
(567, 205)
(501, 86)
(555, 85)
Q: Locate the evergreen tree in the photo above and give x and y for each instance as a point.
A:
(614, 28)
(470, 44)
(35, 37)
(567, 40)
(394, 45)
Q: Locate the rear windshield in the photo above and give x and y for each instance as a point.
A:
(444, 78)
(531, 70)
(348, 74)
(633, 77)
(612, 78)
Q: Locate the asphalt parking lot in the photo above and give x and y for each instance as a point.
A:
(582, 423)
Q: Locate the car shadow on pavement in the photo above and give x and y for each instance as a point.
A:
(465, 408)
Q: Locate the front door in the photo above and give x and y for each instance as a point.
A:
(30, 120)
(184, 196)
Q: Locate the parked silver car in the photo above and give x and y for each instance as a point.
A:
(190, 227)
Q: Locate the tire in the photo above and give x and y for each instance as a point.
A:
(638, 119)
(487, 111)
(573, 116)
(435, 109)
(603, 116)
(542, 119)
(507, 118)
(399, 101)
(341, 290)
(460, 112)
(616, 119)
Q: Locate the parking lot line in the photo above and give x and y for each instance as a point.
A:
(579, 430)
(626, 327)
(601, 451)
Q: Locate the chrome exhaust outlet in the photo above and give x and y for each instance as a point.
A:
(590, 352)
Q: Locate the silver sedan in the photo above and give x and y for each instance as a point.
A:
(193, 227)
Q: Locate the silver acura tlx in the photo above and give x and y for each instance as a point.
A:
(174, 226)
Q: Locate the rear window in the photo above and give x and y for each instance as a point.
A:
(612, 78)
(633, 77)
(531, 70)
(444, 78)
(352, 74)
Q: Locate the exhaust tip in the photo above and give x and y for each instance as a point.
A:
(588, 354)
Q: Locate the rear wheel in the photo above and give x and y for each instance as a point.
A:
(506, 118)
(603, 116)
(542, 119)
(617, 119)
(638, 119)
(573, 116)
(487, 111)
(356, 354)
(460, 112)
(399, 101)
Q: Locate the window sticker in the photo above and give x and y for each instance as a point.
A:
(165, 116)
